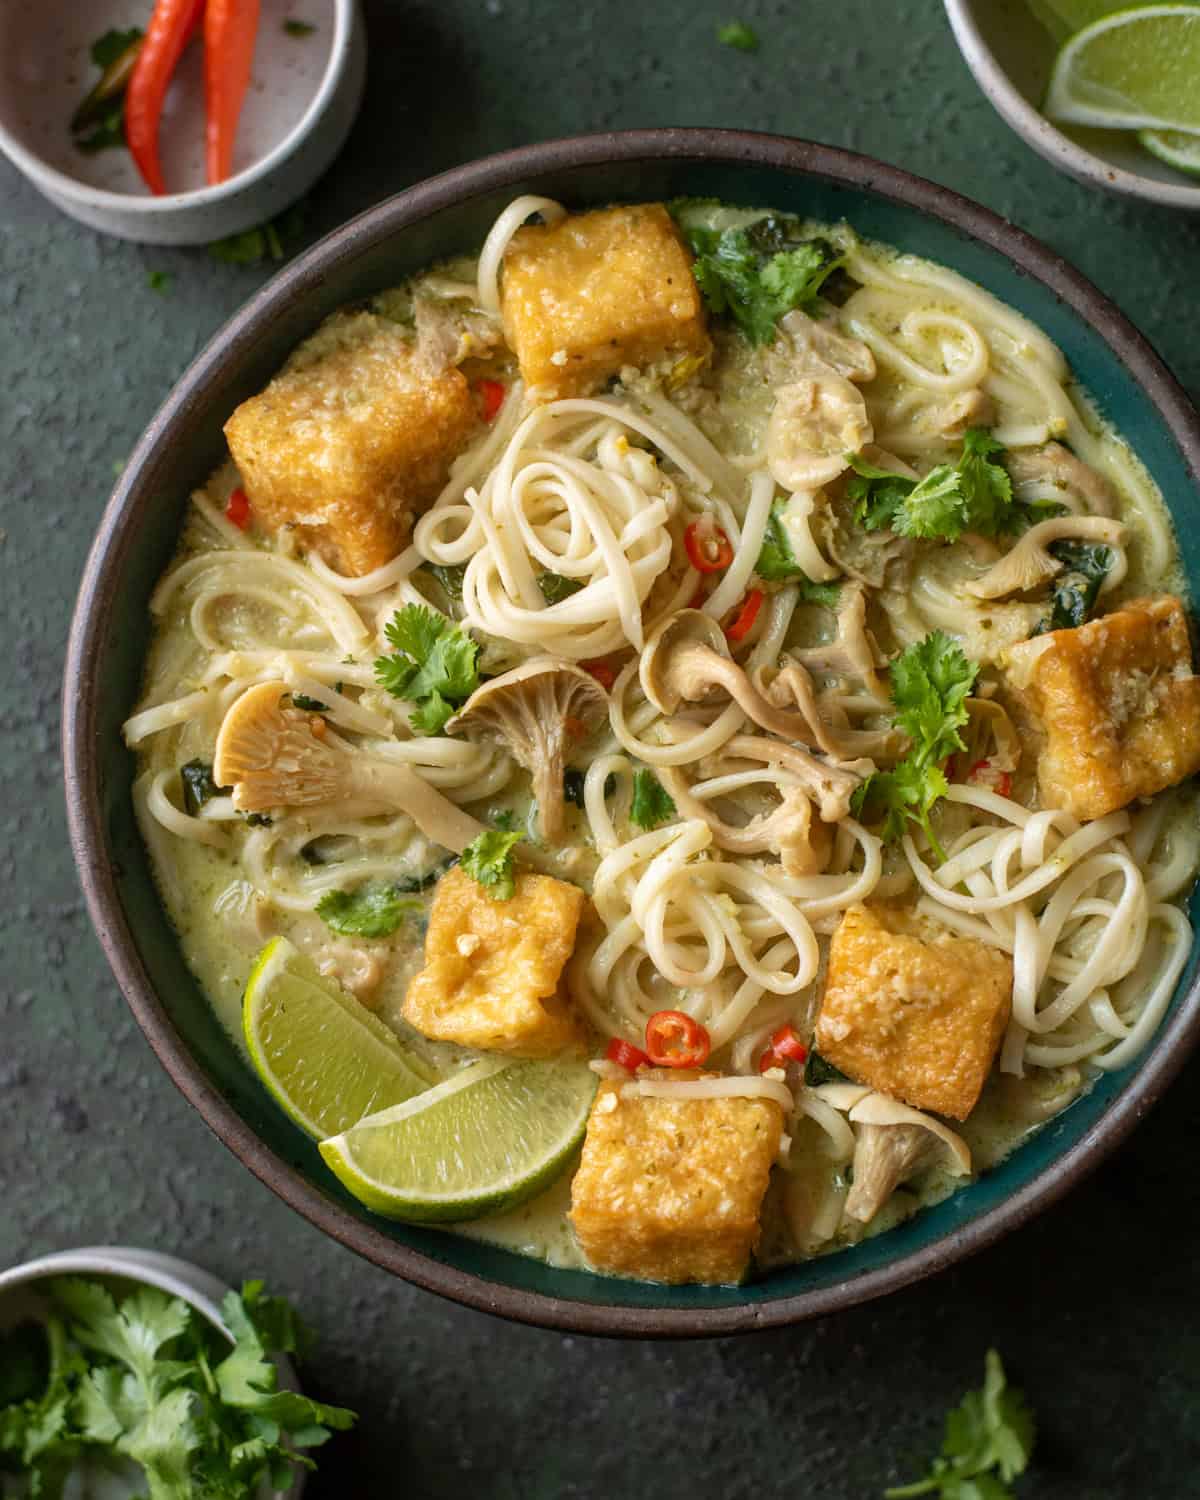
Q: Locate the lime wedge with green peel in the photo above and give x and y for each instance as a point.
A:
(1062, 17)
(325, 1060)
(1136, 70)
(1176, 147)
(483, 1141)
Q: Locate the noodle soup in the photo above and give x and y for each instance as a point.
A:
(710, 645)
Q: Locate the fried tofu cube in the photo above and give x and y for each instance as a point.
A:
(596, 291)
(1118, 703)
(492, 968)
(351, 440)
(912, 1010)
(671, 1189)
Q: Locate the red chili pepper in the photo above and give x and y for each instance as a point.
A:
(1004, 784)
(171, 27)
(491, 397)
(743, 621)
(708, 548)
(237, 509)
(602, 672)
(230, 27)
(1000, 782)
(625, 1054)
(698, 597)
(980, 765)
(675, 1040)
(784, 1047)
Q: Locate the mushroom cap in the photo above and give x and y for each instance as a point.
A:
(1028, 562)
(675, 648)
(274, 756)
(815, 422)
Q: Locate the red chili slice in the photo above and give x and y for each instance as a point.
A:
(602, 672)
(743, 622)
(625, 1054)
(491, 398)
(784, 1047)
(237, 509)
(675, 1040)
(709, 550)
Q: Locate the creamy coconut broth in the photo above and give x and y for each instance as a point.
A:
(740, 528)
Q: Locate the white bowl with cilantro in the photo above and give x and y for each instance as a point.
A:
(121, 1368)
(64, 69)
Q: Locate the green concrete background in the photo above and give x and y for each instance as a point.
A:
(1092, 1307)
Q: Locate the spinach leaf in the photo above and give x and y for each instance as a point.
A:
(199, 786)
(1086, 566)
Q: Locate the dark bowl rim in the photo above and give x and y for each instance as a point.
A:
(81, 759)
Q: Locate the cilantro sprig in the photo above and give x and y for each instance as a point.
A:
(931, 681)
(988, 1443)
(489, 860)
(145, 1378)
(757, 273)
(434, 665)
(652, 804)
(974, 494)
(375, 910)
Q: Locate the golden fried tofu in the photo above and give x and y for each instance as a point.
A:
(1118, 703)
(492, 968)
(912, 1010)
(670, 1189)
(351, 440)
(596, 291)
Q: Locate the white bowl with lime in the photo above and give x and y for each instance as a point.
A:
(1107, 92)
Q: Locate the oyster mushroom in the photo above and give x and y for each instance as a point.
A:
(830, 787)
(802, 842)
(951, 418)
(853, 651)
(822, 347)
(1054, 464)
(892, 1144)
(791, 684)
(535, 711)
(277, 756)
(815, 422)
(1028, 563)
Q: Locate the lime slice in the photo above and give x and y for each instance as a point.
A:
(1062, 17)
(482, 1141)
(1137, 69)
(325, 1060)
(1176, 147)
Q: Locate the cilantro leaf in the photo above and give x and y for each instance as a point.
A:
(272, 240)
(159, 281)
(298, 29)
(988, 1443)
(433, 665)
(777, 563)
(489, 860)
(308, 705)
(974, 494)
(652, 804)
(555, 587)
(99, 122)
(755, 278)
(931, 681)
(374, 910)
(737, 34)
(1076, 588)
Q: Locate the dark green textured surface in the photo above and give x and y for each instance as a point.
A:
(1092, 1306)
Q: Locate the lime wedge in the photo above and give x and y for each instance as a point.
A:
(1177, 148)
(1137, 69)
(1062, 17)
(325, 1060)
(482, 1141)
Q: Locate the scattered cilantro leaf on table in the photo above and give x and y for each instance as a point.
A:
(738, 35)
(159, 281)
(931, 681)
(489, 860)
(974, 494)
(298, 29)
(273, 240)
(652, 804)
(375, 910)
(434, 665)
(988, 1443)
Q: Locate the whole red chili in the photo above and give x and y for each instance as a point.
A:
(491, 398)
(237, 509)
(709, 550)
(743, 621)
(625, 1054)
(170, 28)
(675, 1040)
(230, 29)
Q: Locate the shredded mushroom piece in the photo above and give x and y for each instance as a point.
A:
(1028, 563)
(536, 710)
(822, 347)
(830, 787)
(274, 756)
(815, 422)
(893, 1143)
(853, 652)
(802, 843)
(1054, 464)
(792, 685)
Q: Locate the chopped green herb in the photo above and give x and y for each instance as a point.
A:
(298, 29)
(199, 786)
(988, 1443)
(145, 1378)
(99, 122)
(974, 494)
(817, 1071)
(931, 681)
(505, 820)
(450, 576)
(1086, 566)
(273, 240)
(489, 860)
(159, 281)
(738, 34)
(759, 272)
(374, 910)
(433, 665)
(777, 563)
(555, 587)
(257, 820)
(652, 804)
(308, 705)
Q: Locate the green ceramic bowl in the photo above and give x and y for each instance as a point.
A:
(138, 534)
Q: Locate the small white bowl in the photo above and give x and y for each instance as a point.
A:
(19, 1299)
(1011, 55)
(303, 97)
